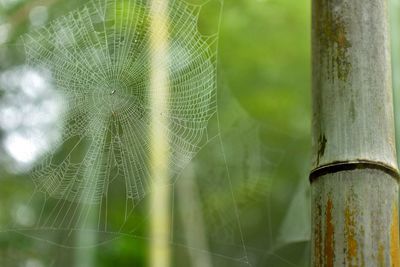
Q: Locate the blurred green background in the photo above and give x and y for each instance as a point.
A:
(264, 107)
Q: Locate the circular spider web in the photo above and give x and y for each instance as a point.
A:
(99, 61)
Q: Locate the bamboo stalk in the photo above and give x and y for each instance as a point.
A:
(395, 37)
(354, 175)
(85, 256)
(193, 223)
(159, 144)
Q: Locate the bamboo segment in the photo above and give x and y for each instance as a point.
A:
(159, 142)
(354, 219)
(354, 175)
(352, 87)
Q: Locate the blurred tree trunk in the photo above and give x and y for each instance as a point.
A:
(193, 223)
(354, 176)
(160, 255)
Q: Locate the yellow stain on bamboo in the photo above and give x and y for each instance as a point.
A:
(318, 259)
(329, 236)
(352, 245)
(394, 237)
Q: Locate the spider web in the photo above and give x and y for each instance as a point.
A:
(85, 210)
(99, 60)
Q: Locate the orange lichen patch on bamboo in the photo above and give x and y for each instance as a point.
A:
(318, 259)
(350, 233)
(329, 236)
(394, 237)
(381, 255)
(332, 35)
